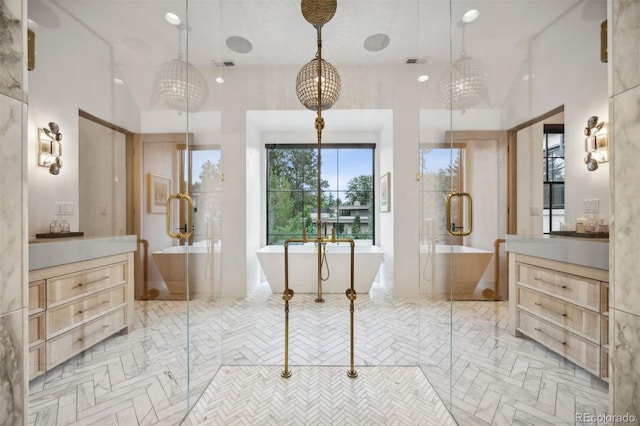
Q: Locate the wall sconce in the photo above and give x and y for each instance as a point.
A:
(50, 148)
(596, 143)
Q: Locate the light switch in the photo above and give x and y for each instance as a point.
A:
(64, 208)
(591, 206)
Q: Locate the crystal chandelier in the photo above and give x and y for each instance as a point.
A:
(310, 91)
(463, 84)
(180, 84)
(307, 85)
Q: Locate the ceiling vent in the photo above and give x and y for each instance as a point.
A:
(228, 63)
(416, 61)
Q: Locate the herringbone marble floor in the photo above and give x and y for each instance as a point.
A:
(320, 396)
(143, 377)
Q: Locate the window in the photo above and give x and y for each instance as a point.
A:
(346, 191)
(200, 168)
(553, 177)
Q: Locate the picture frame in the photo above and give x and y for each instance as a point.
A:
(158, 191)
(385, 192)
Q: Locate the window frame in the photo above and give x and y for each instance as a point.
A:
(552, 185)
(339, 146)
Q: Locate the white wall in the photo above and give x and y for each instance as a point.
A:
(434, 123)
(529, 185)
(566, 73)
(64, 81)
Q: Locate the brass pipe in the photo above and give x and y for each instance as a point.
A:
(319, 299)
(286, 296)
(494, 294)
(351, 295)
(319, 124)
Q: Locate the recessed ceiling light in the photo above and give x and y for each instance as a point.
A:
(423, 78)
(470, 15)
(239, 44)
(528, 77)
(376, 42)
(219, 80)
(172, 18)
(118, 81)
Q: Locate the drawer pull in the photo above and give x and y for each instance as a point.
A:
(547, 309)
(539, 330)
(93, 282)
(549, 282)
(80, 339)
(81, 311)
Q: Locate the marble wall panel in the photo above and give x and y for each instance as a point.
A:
(626, 36)
(12, 383)
(11, 204)
(626, 175)
(11, 47)
(625, 365)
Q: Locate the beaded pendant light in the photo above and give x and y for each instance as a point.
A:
(463, 84)
(180, 85)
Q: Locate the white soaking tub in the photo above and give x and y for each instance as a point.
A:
(303, 260)
(204, 264)
(468, 268)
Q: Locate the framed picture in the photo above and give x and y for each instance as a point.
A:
(385, 192)
(158, 190)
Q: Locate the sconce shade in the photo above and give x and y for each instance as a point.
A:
(307, 85)
(181, 86)
(464, 84)
(318, 12)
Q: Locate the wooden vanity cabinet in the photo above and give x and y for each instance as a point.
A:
(74, 306)
(562, 306)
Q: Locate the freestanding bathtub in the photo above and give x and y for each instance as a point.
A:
(303, 260)
(204, 264)
(467, 268)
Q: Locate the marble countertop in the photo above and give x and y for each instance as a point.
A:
(44, 253)
(593, 252)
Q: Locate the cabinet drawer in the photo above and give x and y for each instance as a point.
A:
(36, 361)
(604, 364)
(36, 329)
(572, 347)
(36, 297)
(580, 290)
(604, 331)
(75, 341)
(560, 312)
(68, 287)
(604, 298)
(65, 316)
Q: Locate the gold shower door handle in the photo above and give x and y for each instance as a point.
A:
(450, 226)
(188, 225)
